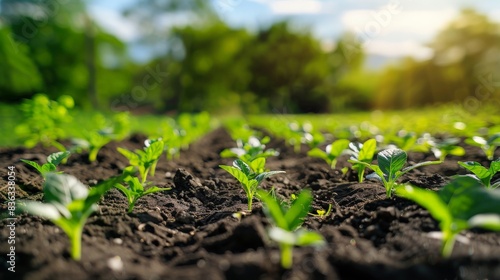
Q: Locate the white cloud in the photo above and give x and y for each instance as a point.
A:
(397, 32)
(383, 22)
(398, 49)
(115, 23)
(297, 7)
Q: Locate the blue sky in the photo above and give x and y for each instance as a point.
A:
(392, 28)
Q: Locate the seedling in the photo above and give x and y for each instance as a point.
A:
(390, 167)
(248, 178)
(487, 145)
(135, 190)
(406, 141)
(322, 213)
(364, 153)
(460, 205)
(483, 174)
(53, 161)
(145, 160)
(68, 204)
(331, 153)
(94, 140)
(445, 148)
(43, 120)
(297, 134)
(239, 130)
(287, 220)
(249, 151)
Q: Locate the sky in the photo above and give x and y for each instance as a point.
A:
(389, 28)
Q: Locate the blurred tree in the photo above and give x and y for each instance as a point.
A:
(65, 45)
(289, 69)
(343, 85)
(18, 74)
(210, 71)
(465, 58)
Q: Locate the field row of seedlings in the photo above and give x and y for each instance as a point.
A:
(286, 202)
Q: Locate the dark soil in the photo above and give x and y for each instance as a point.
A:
(190, 232)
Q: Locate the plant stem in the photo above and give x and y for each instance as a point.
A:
(447, 246)
(286, 255)
(75, 238)
(249, 198)
(93, 155)
(361, 174)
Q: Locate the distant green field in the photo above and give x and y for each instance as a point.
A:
(446, 119)
(436, 120)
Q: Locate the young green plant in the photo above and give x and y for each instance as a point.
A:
(249, 151)
(488, 145)
(442, 148)
(364, 153)
(94, 140)
(249, 178)
(322, 213)
(287, 220)
(390, 167)
(43, 120)
(331, 153)
(136, 190)
(68, 204)
(462, 204)
(483, 174)
(53, 161)
(145, 160)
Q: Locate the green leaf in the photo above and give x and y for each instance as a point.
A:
(338, 147)
(282, 236)
(228, 153)
(456, 151)
(473, 199)
(265, 175)
(34, 164)
(258, 164)
(237, 173)
(63, 189)
(308, 238)
(476, 168)
(391, 161)
(367, 151)
(494, 140)
(495, 166)
(43, 210)
(154, 189)
(131, 156)
(241, 165)
(273, 209)
(299, 209)
(135, 185)
(48, 167)
(155, 149)
(318, 153)
(486, 221)
(56, 158)
(456, 186)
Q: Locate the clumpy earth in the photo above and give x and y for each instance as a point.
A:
(190, 232)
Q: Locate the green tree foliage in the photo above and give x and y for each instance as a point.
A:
(462, 67)
(288, 69)
(211, 71)
(67, 48)
(18, 74)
